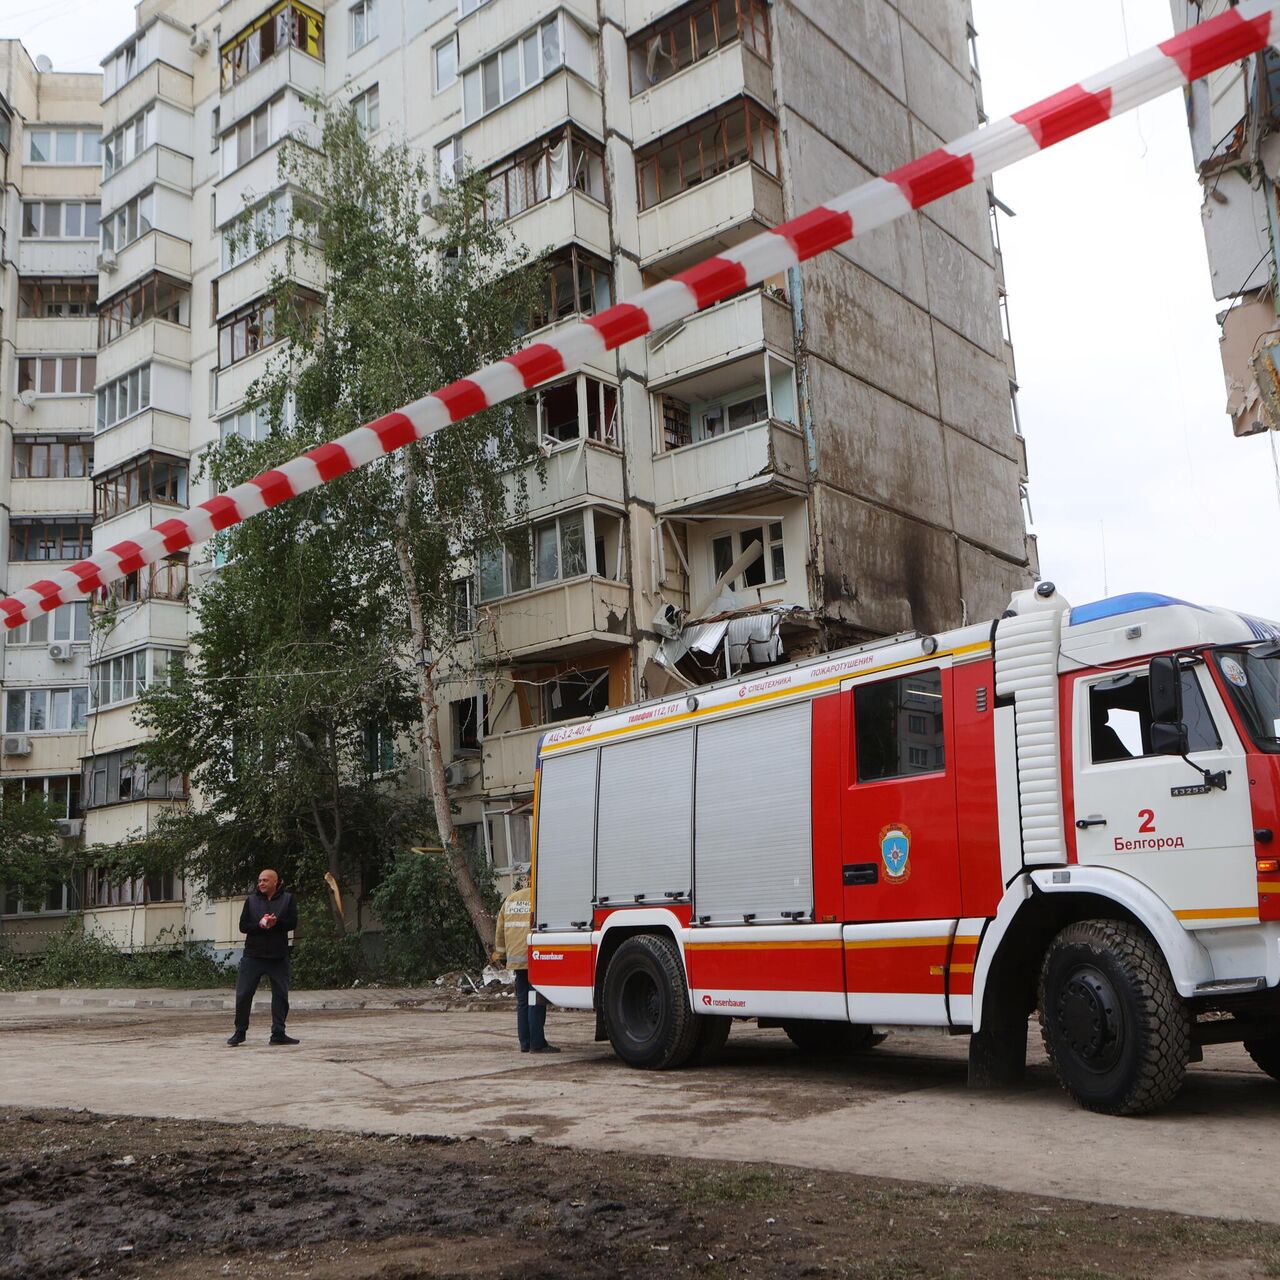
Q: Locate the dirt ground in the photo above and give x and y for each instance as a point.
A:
(83, 1195)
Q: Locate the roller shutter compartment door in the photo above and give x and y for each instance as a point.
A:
(644, 840)
(566, 839)
(753, 803)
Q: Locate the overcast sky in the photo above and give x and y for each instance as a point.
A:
(1137, 483)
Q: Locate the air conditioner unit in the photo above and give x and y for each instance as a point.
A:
(107, 260)
(61, 651)
(668, 621)
(455, 774)
(199, 43)
(70, 828)
(15, 744)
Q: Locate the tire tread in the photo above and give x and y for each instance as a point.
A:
(1164, 1026)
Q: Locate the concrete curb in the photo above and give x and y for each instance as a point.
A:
(219, 1000)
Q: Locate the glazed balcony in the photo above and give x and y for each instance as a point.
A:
(750, 322)
(153, 338)
(560, 98)
(509, 760)
(485, 30)
(578, 471)
(569, 217)
(728, 73)
(711, 216)
(764, 458)
(157, 164)
(155, 251)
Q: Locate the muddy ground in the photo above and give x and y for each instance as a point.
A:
(86, 1195)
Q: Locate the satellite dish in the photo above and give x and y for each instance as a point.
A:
(44, 62)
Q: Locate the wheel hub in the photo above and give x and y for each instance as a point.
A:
(1089, 1019)
(641, 1006)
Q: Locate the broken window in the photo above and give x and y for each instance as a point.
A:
(697, 33)
(576, 693)
(571, 545)
(883, 713)
(470, 722)
(769, 566)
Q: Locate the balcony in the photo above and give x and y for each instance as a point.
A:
(725, 74)
(159, 80)
(556, 100)
(640, 13)
(233, 383)
(290, 68)
(57, 257)
(50, 753)
(160, 622)
(54, 414)
(252, 278)
(246, 185)
(155, 164)
(574, 472)
(720, 212)
(509, 759)
(765, 458)
(39, 333)
(151, 429)
(561, 620)
(156, 251)
(51, 497)
(155, 337)
(487, 29)
(750, 322)
(572, 216)
(134, 927)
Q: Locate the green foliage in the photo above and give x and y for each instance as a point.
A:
(425, 925)
(306, 650)
(79, 958)
(321, 959)
(33, 860)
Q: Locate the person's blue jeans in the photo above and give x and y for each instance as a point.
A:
(531, 1020)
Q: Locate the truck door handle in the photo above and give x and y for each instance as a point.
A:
(861, 873)
(1092, 821)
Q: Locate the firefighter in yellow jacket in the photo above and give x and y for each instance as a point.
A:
(511, 947)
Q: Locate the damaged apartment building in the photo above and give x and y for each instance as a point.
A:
(1233, 115)
(830, 456)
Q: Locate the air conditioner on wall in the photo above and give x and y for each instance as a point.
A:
(70, 828)
(61, 651)
(107, 260)
(199, 43)
(15, 744)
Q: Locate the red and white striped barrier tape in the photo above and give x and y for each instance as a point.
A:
(1196, 52)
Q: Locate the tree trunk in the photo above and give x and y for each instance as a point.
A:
(481, 920)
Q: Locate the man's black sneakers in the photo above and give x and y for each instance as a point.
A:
(282, 1039)
(236, 1038)
(544, 1048)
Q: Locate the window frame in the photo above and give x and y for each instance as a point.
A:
(711, 125)
(39, 532)
(42, 205)
(86, 369)
(140, 303)
(251, 46)
(442, 85)
(78, 291)
(364, 18)
(55, 132)
(494, 63)
(76, 614)
(750, 16)
(23, 696)
(62, 447)
(902, 708)
(135, 382)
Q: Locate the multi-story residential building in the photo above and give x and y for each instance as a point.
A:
(50, 138)
(830, 456)
(1233, 115)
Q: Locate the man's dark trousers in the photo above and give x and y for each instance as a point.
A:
(252, 971)
(530, 1019)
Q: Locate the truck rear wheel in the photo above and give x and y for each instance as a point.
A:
(1114, 1026)
(646, 1004)
(828, 1039)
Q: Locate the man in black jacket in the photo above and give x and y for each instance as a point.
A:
(267, 917)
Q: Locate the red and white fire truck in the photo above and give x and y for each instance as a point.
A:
(1069, 810)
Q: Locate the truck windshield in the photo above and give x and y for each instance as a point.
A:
(1254, 682)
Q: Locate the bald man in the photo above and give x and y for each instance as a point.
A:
(269, 913)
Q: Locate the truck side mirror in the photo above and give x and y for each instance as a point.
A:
(1168, 732)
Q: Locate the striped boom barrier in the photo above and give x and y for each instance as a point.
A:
(1194, 53)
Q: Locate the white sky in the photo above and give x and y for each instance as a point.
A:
(1137, 483)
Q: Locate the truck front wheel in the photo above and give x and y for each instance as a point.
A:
(647, 1014)
(1114, 1026)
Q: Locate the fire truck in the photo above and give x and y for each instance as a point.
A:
(1069, 811)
